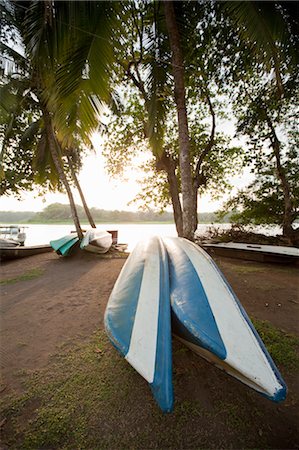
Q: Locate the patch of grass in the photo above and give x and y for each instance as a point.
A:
(89, 397)
(83, 386)
(248, 269)
(234, 414)
(29, 275)
(21, 344)
(283, 347)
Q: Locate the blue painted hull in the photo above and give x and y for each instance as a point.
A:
(64, 245)
(137, 318)
(209, 319)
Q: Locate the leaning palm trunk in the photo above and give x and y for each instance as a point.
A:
(184, 140)
(76, 181)
(55, 156)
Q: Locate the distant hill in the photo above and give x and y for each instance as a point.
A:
(60, 213)
(12, 217)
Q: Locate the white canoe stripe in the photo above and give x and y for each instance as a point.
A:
(142, 351)
(243, 351)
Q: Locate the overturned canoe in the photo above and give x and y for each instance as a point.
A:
(96, 241)
(209, 319)
(137, 318)
(254, 252)
(64, 245)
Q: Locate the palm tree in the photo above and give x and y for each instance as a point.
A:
(63, 41)
(72, 159)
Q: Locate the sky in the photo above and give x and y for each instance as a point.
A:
(100, 190)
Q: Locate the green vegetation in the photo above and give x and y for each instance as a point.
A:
(283, 347)
(89, 397)
(29, 275)
(172, 71)
(12, 217)
(58, 213)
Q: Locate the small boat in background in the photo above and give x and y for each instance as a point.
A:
(8, 243)
(20, 251)
(209, 319)
(137, 318)
(13, 234)
(64, 245)
(254, 252)
(96, 241)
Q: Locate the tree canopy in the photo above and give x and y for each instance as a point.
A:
(178, 68)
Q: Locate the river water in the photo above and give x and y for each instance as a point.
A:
(129, 233)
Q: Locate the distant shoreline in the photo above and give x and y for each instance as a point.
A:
(60, 214)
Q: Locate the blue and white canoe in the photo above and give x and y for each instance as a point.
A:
(208, 318)
(64, 245)
(138, 321)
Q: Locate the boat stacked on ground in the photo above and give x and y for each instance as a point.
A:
(137, 318)
(64, 245)
(175, 275)
(254, 252)
(19, 251)
(96, 241)
(209, 319)
(12, 244)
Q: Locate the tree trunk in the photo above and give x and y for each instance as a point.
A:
(195, 204)
(176, 203)
(167, 164)
(85, 206)
(288, 204)
(55, 156)
(184, 141)
(199, 178)
(288, 216)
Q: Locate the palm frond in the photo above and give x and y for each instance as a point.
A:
(87, 48)
(262, 25)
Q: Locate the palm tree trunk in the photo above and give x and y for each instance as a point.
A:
(76, 181)
(55, 156)
(175, 200)
(166, 163)
(184, 141)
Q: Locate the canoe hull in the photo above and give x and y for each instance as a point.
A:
(252, 252)
(209, 319)
(137, 318)
(8, 253)
(64, 245)
(96, 241)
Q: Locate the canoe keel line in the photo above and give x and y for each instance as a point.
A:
(173, 286)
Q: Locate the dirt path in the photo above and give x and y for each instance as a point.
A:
(66, 301)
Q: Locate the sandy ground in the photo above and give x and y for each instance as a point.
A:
(67, 301)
